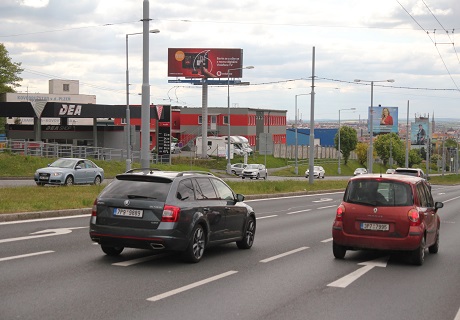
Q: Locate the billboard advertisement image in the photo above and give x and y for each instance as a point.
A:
(419, 133)
(204, 63)
(384, 120)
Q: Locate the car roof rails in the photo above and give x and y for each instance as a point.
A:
(180, 174)
(144, 170)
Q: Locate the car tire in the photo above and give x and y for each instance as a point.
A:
(234, 172)
(418, 255)
(195, 249)
(266, 176)
(242, 178)
(258, 176)
(338, 251)
(68, 181)
(97, 180)
(435, 247)
(249, 234)
(112, 251)
(40, 184)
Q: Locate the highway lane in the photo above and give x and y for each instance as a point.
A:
(60, 274)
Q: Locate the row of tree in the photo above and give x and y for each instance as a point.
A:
(385, 146)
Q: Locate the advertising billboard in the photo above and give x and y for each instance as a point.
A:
(384, 120)
(419, 133)
(204, 63)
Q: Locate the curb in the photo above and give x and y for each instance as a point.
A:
(8, 217)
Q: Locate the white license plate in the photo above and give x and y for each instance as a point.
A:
(128, 212)
(43, 178)
(375, 226)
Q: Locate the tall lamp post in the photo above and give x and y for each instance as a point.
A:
(340, 153)
(371, 122)
(128, 112)
(296, 169)
(229, 163)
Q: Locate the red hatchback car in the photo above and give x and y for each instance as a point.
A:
(387, 212)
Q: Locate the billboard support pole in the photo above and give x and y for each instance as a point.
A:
(407, 137)
(204, 119)
(312, 122)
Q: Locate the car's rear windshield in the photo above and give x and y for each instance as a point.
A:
(379, 193)
(154, 190)
(413, 173)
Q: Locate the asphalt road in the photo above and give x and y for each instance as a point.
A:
(51, 270)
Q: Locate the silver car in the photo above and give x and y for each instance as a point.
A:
(69, 171)
(318, 172)
(255, 171)
(238, 168)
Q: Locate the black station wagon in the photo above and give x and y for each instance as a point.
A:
(170, 211)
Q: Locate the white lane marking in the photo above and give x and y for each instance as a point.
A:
(283, 254)
(291, 197)
(298, 211)
(327, 207)
(457, 317)
(45, 219)
(448, 200)
(191, 286)
(323, 200)
(327, 240)
(139, 260)
(368, 265)
(25, 255)
(272, 216)
(43, 233)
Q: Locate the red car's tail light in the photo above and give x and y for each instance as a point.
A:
(170, 214)
(340, 212)
(94, 211)
(414, 217)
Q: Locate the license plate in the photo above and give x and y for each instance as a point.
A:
(375, 226)
(128, 212)
(43, 178)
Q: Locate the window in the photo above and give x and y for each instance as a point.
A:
(200, 119)
(225, 121)
(185, 191)
(66, 87)
(205, 190)
(223, 190)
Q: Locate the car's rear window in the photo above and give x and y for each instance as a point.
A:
(155, 190)
(379, 193)
(413, 173)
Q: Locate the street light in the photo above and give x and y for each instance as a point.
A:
(296, 169)
(340, 153)
(371, 120)
(128, 113)
(229, 163)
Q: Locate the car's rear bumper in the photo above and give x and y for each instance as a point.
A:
(382, 242)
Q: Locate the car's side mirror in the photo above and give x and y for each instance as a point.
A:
(438, 205)
(239, 198)
(78, 167)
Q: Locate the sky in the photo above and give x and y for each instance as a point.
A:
(414, 42)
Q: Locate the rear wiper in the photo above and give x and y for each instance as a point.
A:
(135, 196)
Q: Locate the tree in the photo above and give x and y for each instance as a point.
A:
(390, 143)
(9, 77)
(361, 152)
(348, 142)
(414, 157)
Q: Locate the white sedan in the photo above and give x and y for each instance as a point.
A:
(318, 172)
(255, 171)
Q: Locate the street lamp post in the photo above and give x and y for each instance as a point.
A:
(296, 168)
(340, 153)
(229, 163)
(371, 120)
(128, 111)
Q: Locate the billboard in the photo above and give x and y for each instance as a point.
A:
(419, 133)
(384, 120)
(204, 63)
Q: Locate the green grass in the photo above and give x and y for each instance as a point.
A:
(32, 198)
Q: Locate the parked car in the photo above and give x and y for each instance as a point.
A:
(238, 168)
(255, 171)
(391, 212)
(318, 172)
(390, 171)
(175, 148)
(69, 171)
(170, 211)
(359, 171)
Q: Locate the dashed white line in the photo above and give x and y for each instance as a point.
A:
(283, 254)
(293, 212)
(272, 216)
(25, 255)
(191, 286)
(327, 207)
(139, 260)
(327, 240)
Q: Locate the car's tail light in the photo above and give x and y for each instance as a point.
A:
(94, 211)
(170, 214)
(340, 212)
(414, 217)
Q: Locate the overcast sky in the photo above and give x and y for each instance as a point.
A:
(414, 42)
